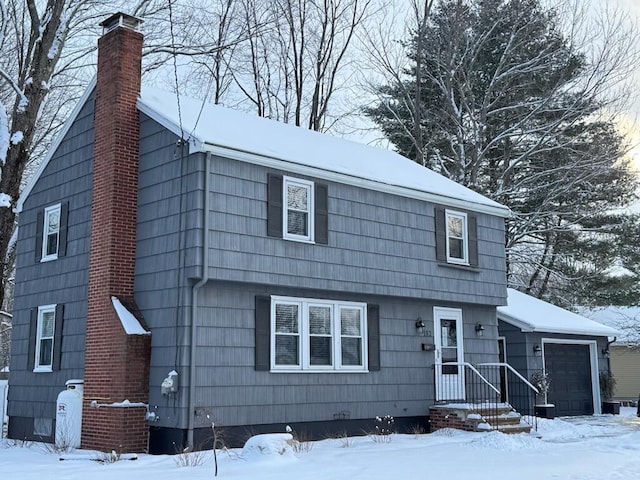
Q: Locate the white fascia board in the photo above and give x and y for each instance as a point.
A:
(521, 324)
(55, 144)
(196, 145)
(199, 145)
(301, 169)
(526, 327)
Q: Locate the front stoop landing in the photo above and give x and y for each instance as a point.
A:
(477, 418)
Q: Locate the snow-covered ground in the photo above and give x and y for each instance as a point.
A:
(601, 447)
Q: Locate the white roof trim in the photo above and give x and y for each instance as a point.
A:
(531, 314)
(200, 145)
(330, 175)
(55, 144)
(202, 137)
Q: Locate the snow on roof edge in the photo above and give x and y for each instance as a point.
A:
(129, 322)
(537, 312)
(199, 145)
(325, 174)
(157, 105)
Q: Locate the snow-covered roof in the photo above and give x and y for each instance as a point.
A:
(219, 130)
(246, 137)
(531, 314)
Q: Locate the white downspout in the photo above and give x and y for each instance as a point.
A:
(194, 301)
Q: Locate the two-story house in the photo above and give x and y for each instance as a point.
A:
(193, 264)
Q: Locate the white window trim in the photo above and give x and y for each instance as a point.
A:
(305, 365)
(41, 311)
(286, 181)
(45, 232)
(465, 237)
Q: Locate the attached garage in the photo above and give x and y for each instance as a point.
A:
(569, 365)
(540, 337)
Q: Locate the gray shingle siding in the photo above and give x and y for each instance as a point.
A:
(67, 177)
(232, 392)
(378, 244)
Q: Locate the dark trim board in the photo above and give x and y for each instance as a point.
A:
(172, 440)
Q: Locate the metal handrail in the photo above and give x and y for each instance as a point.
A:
(471, 367)
(502, 364)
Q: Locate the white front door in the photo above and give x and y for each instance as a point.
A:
(448, 342)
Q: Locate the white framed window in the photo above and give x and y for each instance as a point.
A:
(317, 335)
(51, 233)
(298, 209)
(45, 330)
(457, 237)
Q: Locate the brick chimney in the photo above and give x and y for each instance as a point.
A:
(116, 364)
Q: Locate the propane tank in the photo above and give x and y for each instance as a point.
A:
(69, 415)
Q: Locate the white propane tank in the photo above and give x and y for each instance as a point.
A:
(69, 415)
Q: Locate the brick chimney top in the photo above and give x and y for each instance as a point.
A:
(120, 20)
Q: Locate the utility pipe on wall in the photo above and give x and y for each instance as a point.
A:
(194, 301)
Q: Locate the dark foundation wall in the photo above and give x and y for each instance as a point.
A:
(167, 440)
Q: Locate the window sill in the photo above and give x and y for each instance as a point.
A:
(459, 266)
(282, 370)
(50, 258)
(42, 370)
(299, 240)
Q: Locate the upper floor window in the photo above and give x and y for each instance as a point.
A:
(322, 335)
(51, 232)
(457, 237)
(298, 211)
(45, 338)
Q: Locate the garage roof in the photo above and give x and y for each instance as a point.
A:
(534, 315)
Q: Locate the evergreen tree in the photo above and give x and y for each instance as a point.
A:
(510, 108)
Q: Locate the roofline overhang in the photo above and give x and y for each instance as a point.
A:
(197, 145)
(330, 175)
(526, 327)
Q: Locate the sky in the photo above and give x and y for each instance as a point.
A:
(600, 447)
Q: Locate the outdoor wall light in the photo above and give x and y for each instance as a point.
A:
(479, 329)
(537, 350)
(606, 352)
(420, 326)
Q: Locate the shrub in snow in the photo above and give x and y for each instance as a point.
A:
(542, 382)
(301, 441)
(383, 430)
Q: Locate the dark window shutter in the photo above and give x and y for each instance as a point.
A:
(373, 337)
(441, 235)
(39, 233)
(263, 333)
(321, 213)
(57, 338)
(62, 235)
(472, 227)
(33, 333)
(274, 205)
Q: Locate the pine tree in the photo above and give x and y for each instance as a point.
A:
(510, 108)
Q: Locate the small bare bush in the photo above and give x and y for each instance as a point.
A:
(189, 458)
(301, 442)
